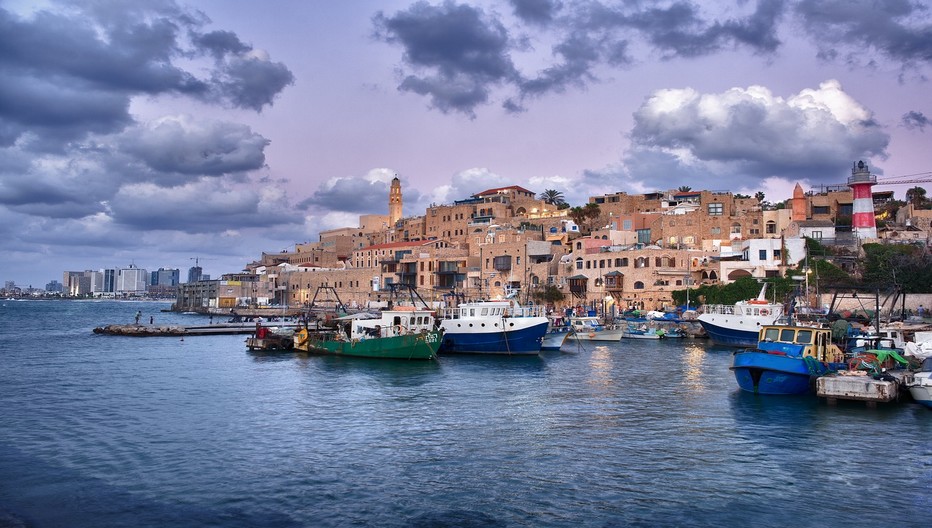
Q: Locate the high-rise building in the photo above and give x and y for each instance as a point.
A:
(131, 280)
(195, 273)
(54, 287)
(165, 277)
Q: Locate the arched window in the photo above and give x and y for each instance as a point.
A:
(638, 285)
(579, 262)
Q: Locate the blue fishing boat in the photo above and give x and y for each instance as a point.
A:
(493, 327)
(787, 359)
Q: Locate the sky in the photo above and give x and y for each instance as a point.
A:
(156, 132)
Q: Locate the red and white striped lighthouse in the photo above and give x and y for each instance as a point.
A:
(862, 218)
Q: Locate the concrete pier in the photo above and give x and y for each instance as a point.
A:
(858, 386)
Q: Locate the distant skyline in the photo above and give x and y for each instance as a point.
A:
(156, 131)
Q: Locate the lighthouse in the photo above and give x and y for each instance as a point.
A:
(862, 218)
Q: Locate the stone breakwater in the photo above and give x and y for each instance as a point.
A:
(140, 330)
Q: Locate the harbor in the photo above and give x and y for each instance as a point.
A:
(161, 431)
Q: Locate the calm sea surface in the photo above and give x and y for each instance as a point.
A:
(103, 431)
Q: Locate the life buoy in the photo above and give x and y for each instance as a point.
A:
(757, 301)
(764, 311)
(399, 330)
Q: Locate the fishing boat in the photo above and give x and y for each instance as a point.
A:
(493, 327)
(557, 332)
(920, 384)
(400, 333)
(642, 331)
(589, 328)
(786, 359)
(740, 323)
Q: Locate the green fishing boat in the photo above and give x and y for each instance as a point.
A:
(401, 333)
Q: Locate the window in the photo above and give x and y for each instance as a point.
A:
(716, 230)
(817, 235)
(716, 209)
(626, 225)
(579, 263)
(735, 229)
(762, 254)
(777, 254)
(638, 285)
(771, 228)
(821, 210)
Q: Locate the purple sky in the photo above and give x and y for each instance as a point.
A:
(153, 132)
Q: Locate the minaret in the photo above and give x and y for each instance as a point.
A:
(394, 202)
(799, 204)
(862, 218)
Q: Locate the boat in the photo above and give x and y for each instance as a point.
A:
(400, 333)
(589, 328)
(557, 332)
(739, 324)
(920, 384)
(787, 359)
(642, 331)
(266, 339)
(493, 327)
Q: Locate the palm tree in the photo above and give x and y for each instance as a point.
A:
(916, 196)
(552, 197)
(759, 196)
(684, 188)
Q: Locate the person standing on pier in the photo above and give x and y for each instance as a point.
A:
(138, 315)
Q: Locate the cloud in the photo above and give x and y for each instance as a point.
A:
(367, 194)
(203, 206)
(184, 145)
(743, 136)
(465, 49)
(915, 119)
(460, 54)
(856, 30)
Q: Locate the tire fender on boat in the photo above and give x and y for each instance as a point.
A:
(399, 330)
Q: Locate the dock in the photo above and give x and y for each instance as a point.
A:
(858, 386)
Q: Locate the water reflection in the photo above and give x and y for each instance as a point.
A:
(693, 375)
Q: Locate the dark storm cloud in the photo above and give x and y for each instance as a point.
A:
(535, 11)
(466, 50)
(915, 119)
(898, 29)
(185, 146)
(74, 72)
(459, 54)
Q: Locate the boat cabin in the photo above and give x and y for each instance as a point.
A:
(399, 321)
(800, 341)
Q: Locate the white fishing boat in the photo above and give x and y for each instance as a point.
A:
(739, 324)
(589, 328)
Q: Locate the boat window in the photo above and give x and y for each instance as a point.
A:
(786, 335)
(472, 312)
(771, 334)
(397, 320)
(485, 311)
(804, 337)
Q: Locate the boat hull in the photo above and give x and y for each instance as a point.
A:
(767, 373)
(523, 336)
(607, 334)
(726, 334)
(411, 346)
(921, 389)
(554, 338)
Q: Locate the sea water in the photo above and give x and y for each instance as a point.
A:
(110, 431)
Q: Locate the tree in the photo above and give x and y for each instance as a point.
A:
(547, 294)
(684, 188)
(553, 197)
(760, 196)
(916, 196)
